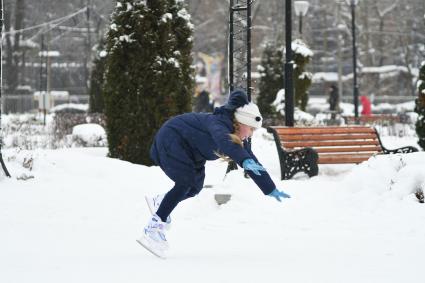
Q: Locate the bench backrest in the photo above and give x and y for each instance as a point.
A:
(347, 144)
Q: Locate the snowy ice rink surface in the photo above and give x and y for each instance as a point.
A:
(78, 218)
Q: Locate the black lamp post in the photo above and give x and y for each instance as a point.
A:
(301, 8)
(353, 4)
(289, 67)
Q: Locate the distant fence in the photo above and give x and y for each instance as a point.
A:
(396, 99)
(16, 103)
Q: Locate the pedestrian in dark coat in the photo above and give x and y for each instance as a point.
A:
(202, 102)
(184, 144)
(333, 101)
(333, 98)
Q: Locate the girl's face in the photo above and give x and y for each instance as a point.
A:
(245, 131)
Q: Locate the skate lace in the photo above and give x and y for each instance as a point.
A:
(157, 202)
(162, 236)
(156, 233)
(156, 228)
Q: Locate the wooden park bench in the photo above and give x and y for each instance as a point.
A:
(301, 149)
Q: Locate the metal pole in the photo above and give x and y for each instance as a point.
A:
(40, 97)
(289, 88)
(3, 165)
(1, 64)
(355, 86)
(230, 51)
(88, 50)
(340, 86)
(300, 29)
(248, 59)
(46, 86)
(248, 50)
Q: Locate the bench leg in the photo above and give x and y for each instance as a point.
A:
(303, 160)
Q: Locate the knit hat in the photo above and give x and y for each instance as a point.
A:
(250, 115)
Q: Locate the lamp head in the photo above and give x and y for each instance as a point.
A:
(301, 8)
(352, 2)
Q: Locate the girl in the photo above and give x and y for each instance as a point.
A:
(183, 145)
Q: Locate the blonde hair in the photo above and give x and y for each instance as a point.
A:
(234, 138)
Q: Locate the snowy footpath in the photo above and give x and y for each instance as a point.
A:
(77, 215)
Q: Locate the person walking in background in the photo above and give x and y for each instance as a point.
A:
(202, 102)
(183, 145)
(333, 101)
(366, 106)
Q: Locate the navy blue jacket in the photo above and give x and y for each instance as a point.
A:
(190, 139)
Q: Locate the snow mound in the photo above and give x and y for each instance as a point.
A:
(395, 175)
(89, 135)
(70, 107)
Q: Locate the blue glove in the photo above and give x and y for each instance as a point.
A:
(278, 194)
(250, 164)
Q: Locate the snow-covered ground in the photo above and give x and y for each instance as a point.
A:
(76, 218)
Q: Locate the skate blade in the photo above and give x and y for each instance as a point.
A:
(148, 246)
(150, 204)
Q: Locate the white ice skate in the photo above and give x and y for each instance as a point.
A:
(153, 238)
(153, 204)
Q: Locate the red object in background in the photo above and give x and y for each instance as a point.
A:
(367, 106)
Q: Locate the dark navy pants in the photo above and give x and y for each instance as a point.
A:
(174, 157)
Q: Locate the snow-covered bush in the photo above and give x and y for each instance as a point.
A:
(28, 132)
(89, 135)
(301, 118)
(25, 131)
(271, 79)
(302, 78)
(63, 124)
(396, 175)
(70, 108)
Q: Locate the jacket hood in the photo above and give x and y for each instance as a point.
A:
(223, 111)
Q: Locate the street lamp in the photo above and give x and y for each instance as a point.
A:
(353, 4)
(289, 67)
(301, 8)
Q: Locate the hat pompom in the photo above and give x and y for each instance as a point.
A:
(237, 99)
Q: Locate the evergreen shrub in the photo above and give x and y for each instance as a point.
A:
(148, 75)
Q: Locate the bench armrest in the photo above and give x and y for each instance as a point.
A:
(292, 162)
(405, 149)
